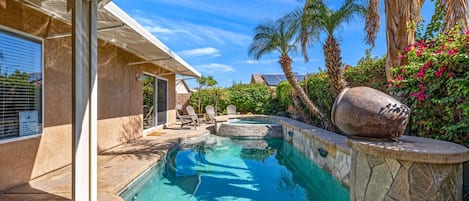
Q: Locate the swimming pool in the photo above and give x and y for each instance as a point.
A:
(231, 169)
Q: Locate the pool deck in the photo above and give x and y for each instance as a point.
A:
(117, 167)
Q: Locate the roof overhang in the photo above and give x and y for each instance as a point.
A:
(117, 27)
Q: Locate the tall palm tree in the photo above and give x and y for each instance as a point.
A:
(401, 13)
(317, 19)
(279, 36)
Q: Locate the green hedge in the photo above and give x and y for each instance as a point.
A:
(248, 98)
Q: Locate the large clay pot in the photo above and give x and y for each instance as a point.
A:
(367, 112)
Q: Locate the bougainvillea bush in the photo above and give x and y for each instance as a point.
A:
(435, 84)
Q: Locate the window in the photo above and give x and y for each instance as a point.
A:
(20, 85)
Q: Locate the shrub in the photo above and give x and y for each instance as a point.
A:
(255, 98)
(284, 92)
(369, 72)
(319, 91)
(211, 96)
(435, 84)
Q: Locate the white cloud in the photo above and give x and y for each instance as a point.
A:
(215, 67)
(207, 51)
(263, 61)
(157, 29)
(181, 30)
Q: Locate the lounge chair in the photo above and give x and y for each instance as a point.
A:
(231, 110)
(211, 113)
(191, 112)
(186, 119)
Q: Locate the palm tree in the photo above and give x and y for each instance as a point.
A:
(279, 36)
(210, 81)
(401, 13)
(316, 18)
(202, 82)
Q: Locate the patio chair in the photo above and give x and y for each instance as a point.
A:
(191, 112)
(185, 119)
(231, 110)
(211, 113)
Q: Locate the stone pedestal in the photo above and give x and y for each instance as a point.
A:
(410, 168)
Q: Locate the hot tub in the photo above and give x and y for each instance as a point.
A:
(250, 128)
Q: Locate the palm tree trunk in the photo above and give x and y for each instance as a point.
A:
(285, 62)
(199, 101)
(333, 64)
(399, 13)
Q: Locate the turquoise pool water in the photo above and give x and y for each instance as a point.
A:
(237, 170)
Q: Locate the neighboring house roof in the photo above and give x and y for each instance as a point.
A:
(117, 27)
(257, 78)
(182, 87)
(273, 79)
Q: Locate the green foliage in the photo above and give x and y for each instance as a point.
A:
(435, 25)
(255, 98)
(212, 96)
(435, 84)
(284, 94)
(318, 88)
(369, 72)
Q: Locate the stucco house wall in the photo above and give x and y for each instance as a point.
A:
(119, 99)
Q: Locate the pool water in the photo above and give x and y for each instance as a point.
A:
(237, 170)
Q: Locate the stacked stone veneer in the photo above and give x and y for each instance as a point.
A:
(391, 179)
(309, 139)
(410, 168)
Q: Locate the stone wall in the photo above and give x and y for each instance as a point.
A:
(407, 168)
(378, 177)
(311, 141)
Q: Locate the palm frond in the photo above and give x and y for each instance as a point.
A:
(273, 36)
(372, 22)
(456, 12)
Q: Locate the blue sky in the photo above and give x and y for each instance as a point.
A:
(214, 35)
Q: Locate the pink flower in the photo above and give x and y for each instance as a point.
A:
(420, 95)
(438, 73)
(419, 52)
(428, 65)
(438, 51)
(450, 74)
(408, 48)
(453, 51)
(401, 56)
(421, 73)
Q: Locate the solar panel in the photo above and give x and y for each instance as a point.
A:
(275, 79)
(271, 80)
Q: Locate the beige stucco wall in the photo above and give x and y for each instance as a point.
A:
(119, 99)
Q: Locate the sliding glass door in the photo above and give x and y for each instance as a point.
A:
(162, 102)
(155, 101)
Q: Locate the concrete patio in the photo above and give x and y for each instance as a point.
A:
(117, 167)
